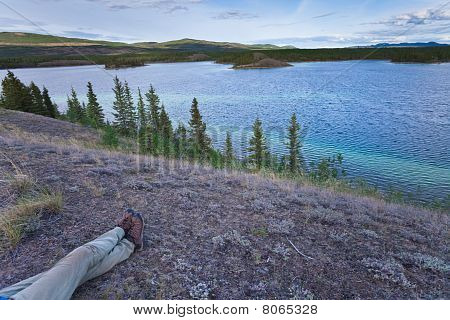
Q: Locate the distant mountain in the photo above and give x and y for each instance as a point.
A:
(41, 40)
(408, 44)
(204, 45)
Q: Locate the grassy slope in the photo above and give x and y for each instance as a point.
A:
(193, 44)
(34, 39)
(216, 234)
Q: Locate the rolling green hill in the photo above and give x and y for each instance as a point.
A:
(203, 45)
(35, 39)
(41, 40)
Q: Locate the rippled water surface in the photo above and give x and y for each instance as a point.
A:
(390, 121)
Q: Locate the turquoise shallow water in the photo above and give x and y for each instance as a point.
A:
(390, 121)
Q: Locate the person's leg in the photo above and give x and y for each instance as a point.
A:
(15, 288)
(60, 282)
(119, 253)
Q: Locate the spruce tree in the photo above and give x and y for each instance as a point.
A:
(199, 140)
(15, 95)
(130, 111)
(153, 108)
(166, 132)
(294, 144)
(94, 111)
(258, 149)
(110, 138)
(75, 111)
(180, 141)
(228, 152)
(142, 125)
(51, 108)
(119, 107)
(37, 101)
(153, 117)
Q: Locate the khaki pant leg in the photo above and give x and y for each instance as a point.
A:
(60, 282)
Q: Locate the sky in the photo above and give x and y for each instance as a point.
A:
(302, 23)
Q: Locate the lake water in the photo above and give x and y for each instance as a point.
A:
(390, 121)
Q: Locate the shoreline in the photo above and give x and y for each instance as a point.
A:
(83, 63)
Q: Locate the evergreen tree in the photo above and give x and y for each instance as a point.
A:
(94, 111)
(199, 140)
(258, 149)
(142, 125)
(180, 141)
(154, 108)
(294, 145)
(15, 95)
(109, 137)
(37, 101)
(120, 107)
(130, 111)
(228, 152)
(153, 117)
(51, 108)
(166, 132)
(75, 111)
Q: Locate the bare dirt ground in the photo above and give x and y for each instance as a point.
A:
(213, 234)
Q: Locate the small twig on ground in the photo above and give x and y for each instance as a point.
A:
(301, 253)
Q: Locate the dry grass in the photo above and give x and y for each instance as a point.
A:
(15, 220)
(27, 201)
(96, 190)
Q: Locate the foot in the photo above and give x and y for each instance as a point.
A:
(136, 232)
(126, 222)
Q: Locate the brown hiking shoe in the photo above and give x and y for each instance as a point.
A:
(136, 232)
(126, 222)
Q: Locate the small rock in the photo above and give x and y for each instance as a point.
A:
(84, 160)
(139, 185)
(74, 189)
(109, 171)
(52, 178)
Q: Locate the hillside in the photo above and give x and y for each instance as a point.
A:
(203, 45)
(41, 40)
(35, 39)
(212, 234)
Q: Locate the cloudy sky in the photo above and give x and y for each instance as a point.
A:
(303, 23)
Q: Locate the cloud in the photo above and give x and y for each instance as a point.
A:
(82, 34)
(324, 38)
(357, 39)
(325, 15)
(168, 6)
(428, 16)
(177, 8)
(79, 33)
(120, 7)
(235, 15)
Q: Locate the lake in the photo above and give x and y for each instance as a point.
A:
(390, 121)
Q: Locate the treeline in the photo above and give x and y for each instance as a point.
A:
(27, 98)
(424, 54)
(21, 58)
(146, 121)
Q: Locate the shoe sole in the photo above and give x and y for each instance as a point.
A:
(141, 236)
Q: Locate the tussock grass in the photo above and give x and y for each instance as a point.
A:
(16, 219)
(27, 202)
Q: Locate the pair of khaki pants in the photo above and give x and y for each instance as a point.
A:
(84, 263)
